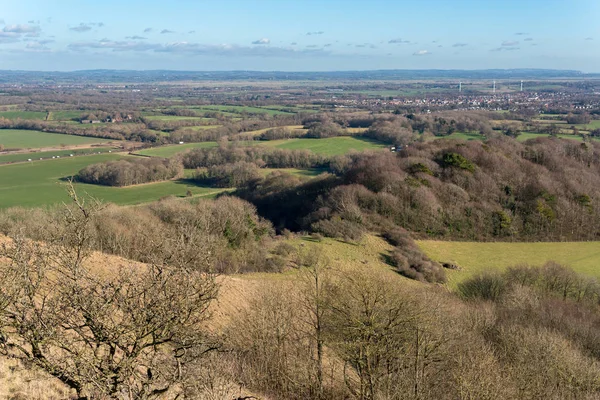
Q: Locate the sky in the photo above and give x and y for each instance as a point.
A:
(299, 35)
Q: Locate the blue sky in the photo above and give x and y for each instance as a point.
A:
(299, 35)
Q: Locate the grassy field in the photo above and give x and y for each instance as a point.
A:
(10, 158)
(201, 127)
(460, 136)
(302, 173)
(521, 138)
(591, 126)
(170, 151)
(248, 109)
(66, 115)
(328, 147)
(475, 258)
(261, 131)
(23, 115)
(40, 183)
(172, 118)
(24, 139)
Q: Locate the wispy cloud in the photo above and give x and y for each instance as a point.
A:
(166, 31)
(135, 37)
(86, 27)
(505, 48)
(460, 45)
(21, 29)
(262, 41)
(528, 39)
(314, 33)
(114, 45)
(81, 28)
(509, 43)
(37, 47)
(421, 53)
(198, 49)
(521, 33)
(148, 30)
(399, 41)
(589, 38)
(9, 37)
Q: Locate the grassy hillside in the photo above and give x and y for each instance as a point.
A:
(475, 258)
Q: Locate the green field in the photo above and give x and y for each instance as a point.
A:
(327, 147)
(40, 183)
(172, 118)
(591, 126)
(10, 158)
(170, 151)
(24, 139)
(521, 138)
(201, 127)
(23, 115)
(248, 109)
(66, 115)
(302, 173)
(475, 258)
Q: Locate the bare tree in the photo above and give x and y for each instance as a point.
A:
(102, 333)
(314, 301)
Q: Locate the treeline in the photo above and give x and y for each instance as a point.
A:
(129, 131)
(130, 171)
(233, 131)
(228, 175)
(263, 157)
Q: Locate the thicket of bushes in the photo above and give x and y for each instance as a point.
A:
(130, 171)
(272, 158)
(545, 189)
(357, 335)
(228, 175)
(224, 235)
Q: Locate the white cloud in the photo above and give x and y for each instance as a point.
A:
(262, 41)
(21, 29)
(421, 53)
(85, 27)
(509, 43)
(399, 41)
(9, 37)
